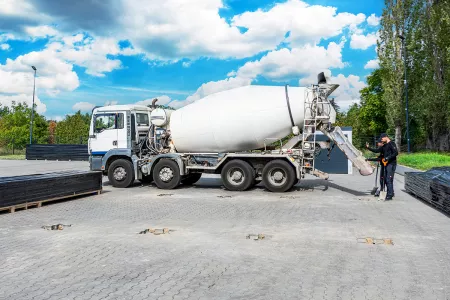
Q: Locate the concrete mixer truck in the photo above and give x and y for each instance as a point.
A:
(236, 133)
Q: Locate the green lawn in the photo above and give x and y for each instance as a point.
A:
(424, 160)
(12, 156)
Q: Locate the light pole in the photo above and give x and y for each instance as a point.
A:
(406, 92)
(32, 107)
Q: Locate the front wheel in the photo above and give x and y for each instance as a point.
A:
(166, 174)
(120, 173)
(279, 176)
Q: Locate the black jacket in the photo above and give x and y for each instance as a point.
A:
(388, 151)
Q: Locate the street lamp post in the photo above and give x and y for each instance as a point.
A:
(406, 93)
(32, 107)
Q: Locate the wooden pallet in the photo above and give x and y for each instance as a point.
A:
(25, 206)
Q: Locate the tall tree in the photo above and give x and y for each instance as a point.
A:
(393, 24)
(73, 129)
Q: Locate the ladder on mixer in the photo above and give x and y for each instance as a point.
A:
(312, 117)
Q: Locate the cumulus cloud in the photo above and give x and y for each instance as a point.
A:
(348, 91)
(40, 31)
(363, 42)
(8, 100)
(286, 63)
(5, 46)
(83, 106)
(373, 20)
(372, 64)
(173, 29)
(54, 74)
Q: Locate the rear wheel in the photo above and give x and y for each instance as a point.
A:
(120, 173)
(166, 174)
(238, 175)
(278, 176)
(191, 178)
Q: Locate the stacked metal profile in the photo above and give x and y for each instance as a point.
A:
(432, 186)
(57, 152)
(18, 190)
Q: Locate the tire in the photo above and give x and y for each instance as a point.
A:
(233, 170)
(166, 174)
(279, 176)
(146, 179)
(191, 178)
(121, 173)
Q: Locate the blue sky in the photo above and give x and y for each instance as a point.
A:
(91, 52)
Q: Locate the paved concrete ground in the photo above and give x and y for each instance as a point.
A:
(311, 251)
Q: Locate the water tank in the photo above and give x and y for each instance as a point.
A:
(238, 119)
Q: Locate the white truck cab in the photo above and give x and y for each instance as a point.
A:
(112, 127)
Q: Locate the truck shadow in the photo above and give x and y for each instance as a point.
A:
(304, 185)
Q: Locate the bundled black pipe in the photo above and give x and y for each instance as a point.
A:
(432, 186)
(57, 152)
(17, 190)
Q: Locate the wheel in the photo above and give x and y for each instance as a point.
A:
(278, 176)
(166, 174)
(146, 179)
(191, 178)
(120, 173)
(238, 175)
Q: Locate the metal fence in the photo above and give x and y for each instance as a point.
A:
(57, 152)
(16, 146)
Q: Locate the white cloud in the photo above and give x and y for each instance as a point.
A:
(285, 63)
(372, 64)
(176, 29)
(348, 91)
(363, 42)
(162, 100)
(5, 46)
(40, 31)
(83, 106)
(7, 100)
(373, 20)
(54, 74)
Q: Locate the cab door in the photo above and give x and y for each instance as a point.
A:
(104, 135)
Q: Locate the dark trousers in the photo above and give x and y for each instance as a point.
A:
(390, 171)
(382, 183)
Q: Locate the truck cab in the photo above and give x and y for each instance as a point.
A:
(113, 132)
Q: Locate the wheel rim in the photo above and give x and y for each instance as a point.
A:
(166, 174)
(120, 173)
(277, 177)
(235, 176)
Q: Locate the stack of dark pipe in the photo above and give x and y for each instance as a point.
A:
(57, 152)
(432, 186)
(17, 190)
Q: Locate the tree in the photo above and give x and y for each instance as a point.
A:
(51, 132)
(15, 126)
(73, 129)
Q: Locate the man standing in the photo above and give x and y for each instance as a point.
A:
(390, 153)
(379, 161)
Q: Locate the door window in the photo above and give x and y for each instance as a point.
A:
(108, 121)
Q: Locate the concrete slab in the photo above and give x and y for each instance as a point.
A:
(311, 250)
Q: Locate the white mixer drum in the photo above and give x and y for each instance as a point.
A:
(237, 120)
